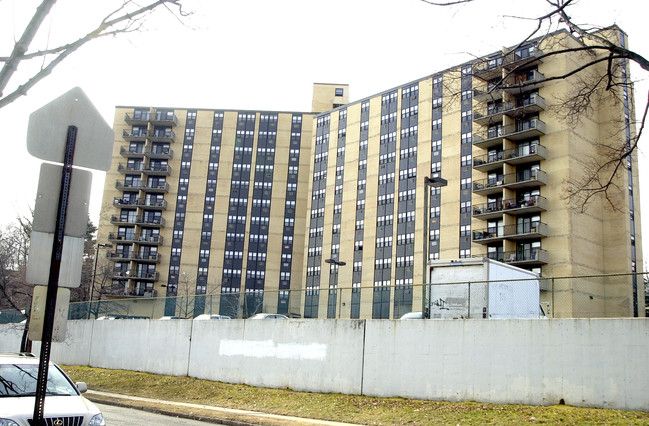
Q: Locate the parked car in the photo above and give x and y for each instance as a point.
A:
(211, 317)
(64, 403)
(169, 318)
(268, 316)
(412, 315)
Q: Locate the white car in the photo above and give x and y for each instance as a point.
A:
(411, 315)
(64, 404)
(202, 317)
(268, 316)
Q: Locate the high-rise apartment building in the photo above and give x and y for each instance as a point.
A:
(260, 208)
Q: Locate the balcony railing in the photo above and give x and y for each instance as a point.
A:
(164, 118)
(119, 256)
(523, 57)
(118, 220)
(524, 82)
(532, 104)
(157, 169)
(148, 258)
(138, 117)
(125, 202)
(162, 136)
(120, 273)
(128, 186)
(512, 232)
(133, 151)
(535, 256)
(135, 238)
(130, 168)
(521, 179)
(149, 239)
(149, 276)
(518, 155)
(126, 238)
(511, 206)
(119, 291)
(154, 204)
(150, 221)
(156, 187)
(517, 131)
(159, 153)
(131, 135)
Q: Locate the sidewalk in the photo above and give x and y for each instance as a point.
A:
(206, 413)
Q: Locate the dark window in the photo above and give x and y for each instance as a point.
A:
(339, 91)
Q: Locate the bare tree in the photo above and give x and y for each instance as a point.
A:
(15, 293)
(602, 77)
(127, 18)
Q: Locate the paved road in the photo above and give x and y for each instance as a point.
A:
(120, 416)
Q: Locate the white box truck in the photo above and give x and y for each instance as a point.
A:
(480, 288)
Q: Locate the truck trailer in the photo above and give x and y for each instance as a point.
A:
(480, 288)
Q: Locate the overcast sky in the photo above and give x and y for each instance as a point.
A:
(262, 55)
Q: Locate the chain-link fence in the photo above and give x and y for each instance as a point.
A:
(594, 296)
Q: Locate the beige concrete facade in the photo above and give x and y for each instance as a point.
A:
(506, 194)
(492, 128)
(221, 170)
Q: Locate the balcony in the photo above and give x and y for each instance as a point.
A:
(495, 135)
(132, 151)
(532, 104)
(534, 230)
(151, 221)
(519, 155)
(162, 136)
(523, 257)
(120, 291)
(134, 136)
(522, 58)
(137, 118)
(153, 204)
(120, 202)
(120, 257)
(128, 186)
(512, 206)
(164, 118)
(524, 82)
(157, 170)
(148, 276)
(518, 180)
(130, 168)
(159, 153)
(156, 187)
(120, 274)
(126, 238)
(489, 68)
(488, 93)
(118, 220)
(147, 258)
(149, 239)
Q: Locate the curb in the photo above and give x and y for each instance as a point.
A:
(226, 416)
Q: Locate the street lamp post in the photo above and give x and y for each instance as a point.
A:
(94, 274)
(337, 263)
(436, 182)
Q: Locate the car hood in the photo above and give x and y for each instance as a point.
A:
(54, 406)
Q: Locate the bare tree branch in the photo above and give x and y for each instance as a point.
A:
(116, 22)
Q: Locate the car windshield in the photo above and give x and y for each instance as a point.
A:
(21, 379)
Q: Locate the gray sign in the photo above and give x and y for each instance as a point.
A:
(48, 127)
(47, 201)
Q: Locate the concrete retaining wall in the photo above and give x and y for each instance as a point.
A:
(594, 363)
(305, 355)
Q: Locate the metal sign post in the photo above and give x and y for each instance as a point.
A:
(69, 131)
(53, 284)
